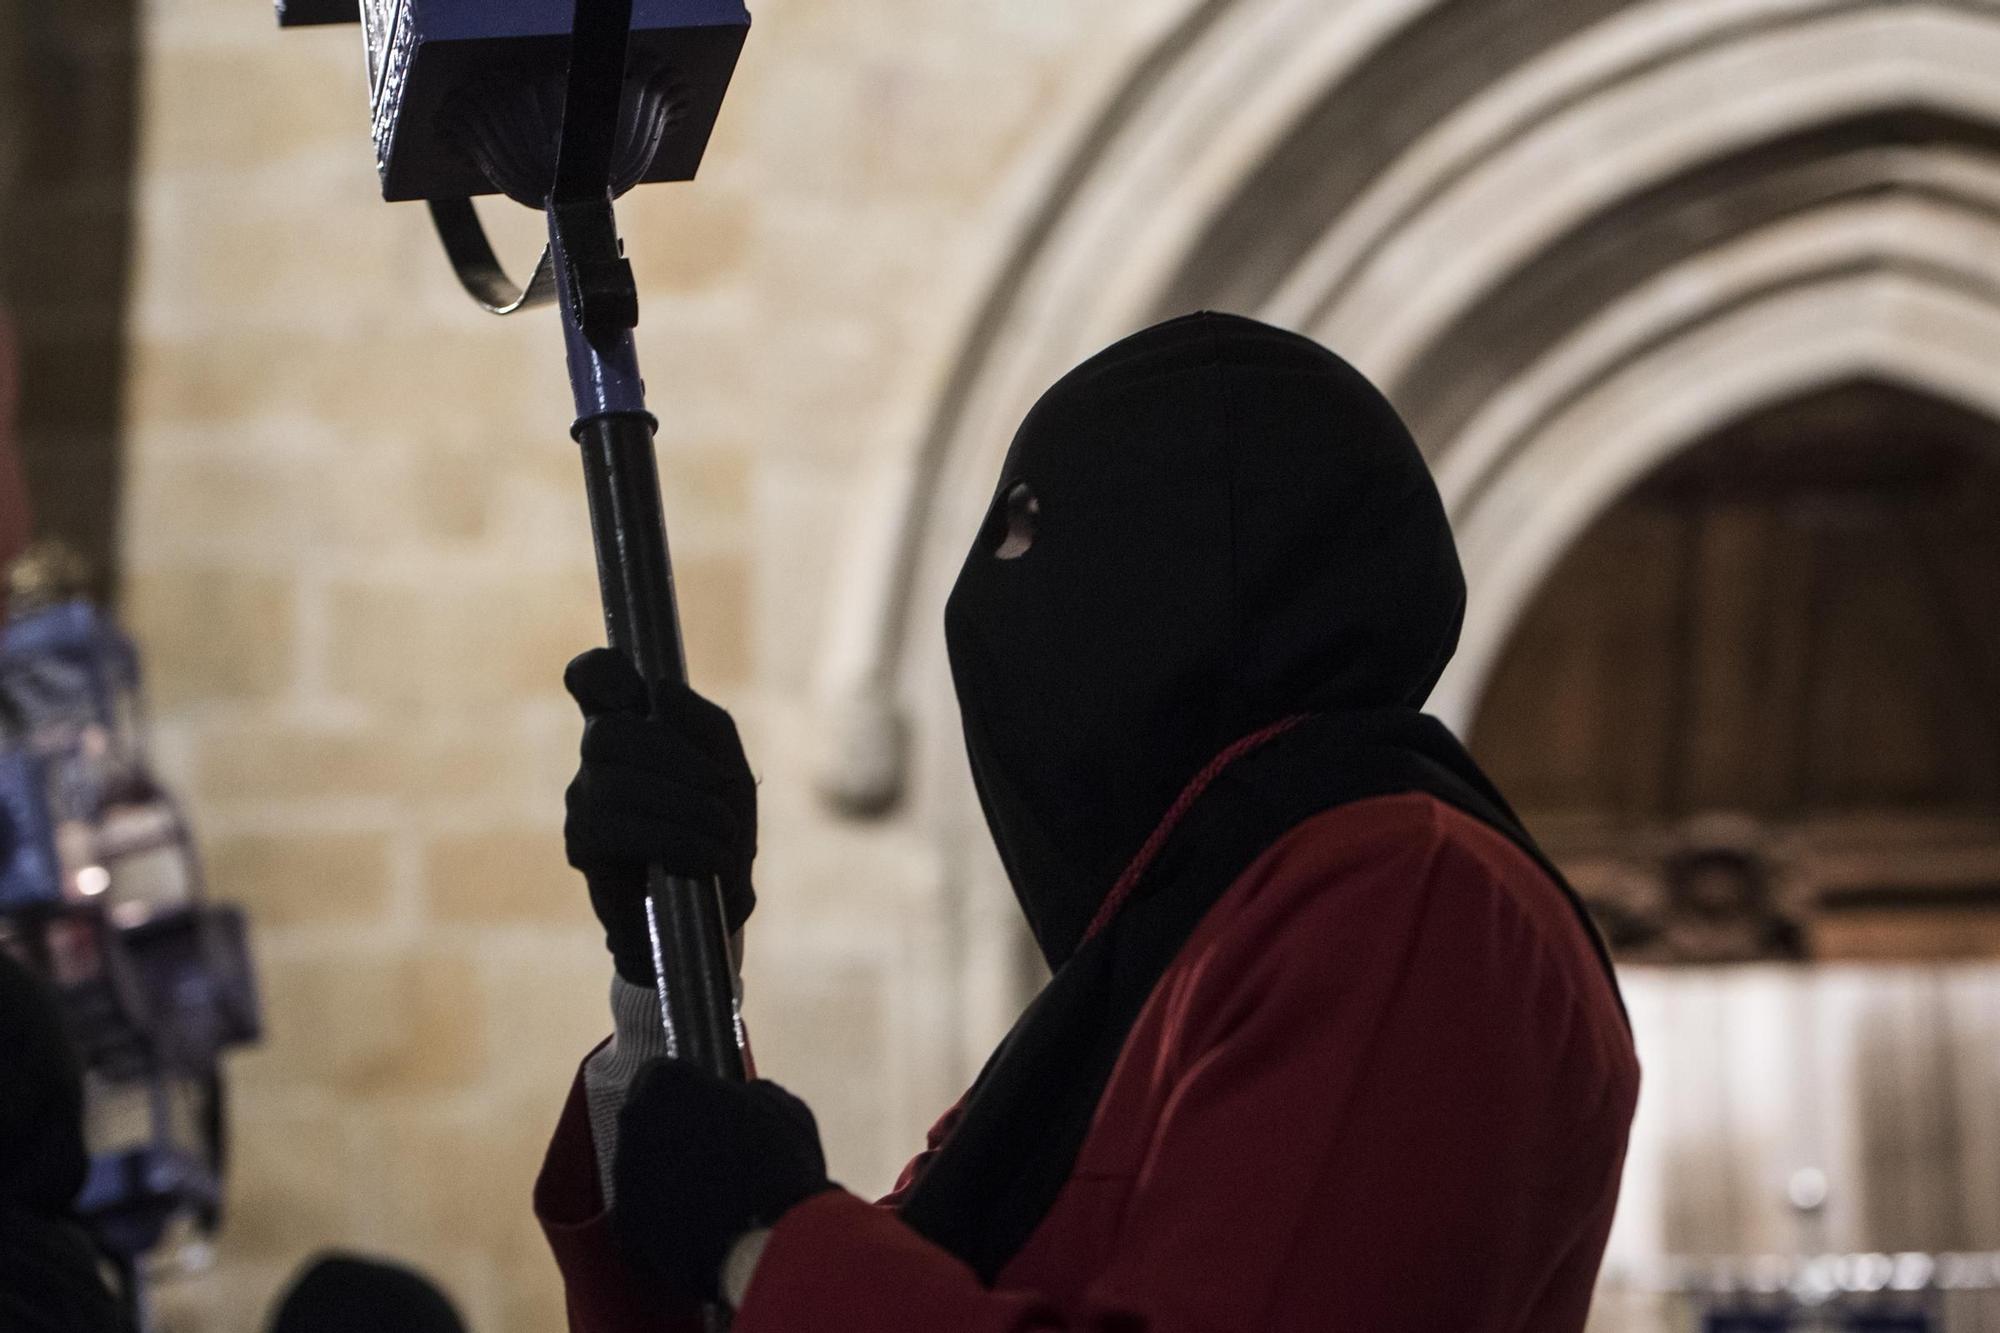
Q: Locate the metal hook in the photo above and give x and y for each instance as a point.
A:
(479, 269)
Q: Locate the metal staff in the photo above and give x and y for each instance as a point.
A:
(463, 94)
(600, 304)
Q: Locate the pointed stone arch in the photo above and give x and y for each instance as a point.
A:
(1773, 155)
(1596, 441)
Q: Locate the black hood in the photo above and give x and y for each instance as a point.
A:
(1231, 526)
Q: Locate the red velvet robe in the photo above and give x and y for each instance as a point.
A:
(1384, 1087)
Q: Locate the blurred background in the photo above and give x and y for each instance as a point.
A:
(1694, 305)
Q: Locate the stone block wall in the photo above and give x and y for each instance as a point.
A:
(354, 549)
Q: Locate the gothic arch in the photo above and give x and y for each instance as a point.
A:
(1901, 327)
(1785, 163)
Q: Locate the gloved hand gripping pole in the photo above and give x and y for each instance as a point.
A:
(692, 966)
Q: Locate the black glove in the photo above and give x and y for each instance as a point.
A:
(701, 1161)
(672, 788)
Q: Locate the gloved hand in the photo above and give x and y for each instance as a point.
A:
(701, 1161)
(673, 789)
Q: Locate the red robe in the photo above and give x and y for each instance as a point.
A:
(1384, 1087)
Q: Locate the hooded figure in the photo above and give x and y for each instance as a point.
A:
(1215, 525)
(50, 1278)
(1328, 1042)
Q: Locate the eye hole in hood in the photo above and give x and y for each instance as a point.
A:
(1010, 530)
(1247, 531)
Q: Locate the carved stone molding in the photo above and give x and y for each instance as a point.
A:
(1540, 225)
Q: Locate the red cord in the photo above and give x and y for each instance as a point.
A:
(1129, 881)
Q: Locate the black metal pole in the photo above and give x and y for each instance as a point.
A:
(692, 966)
(691, 961)
(690, 935)
(693, 971)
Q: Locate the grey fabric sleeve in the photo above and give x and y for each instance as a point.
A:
(740, 1267)
(636, 1037)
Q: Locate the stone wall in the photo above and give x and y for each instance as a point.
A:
(355, 552)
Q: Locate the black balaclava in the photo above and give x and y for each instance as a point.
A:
(1224, 528)
(1233, 525)
(341, 1293)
